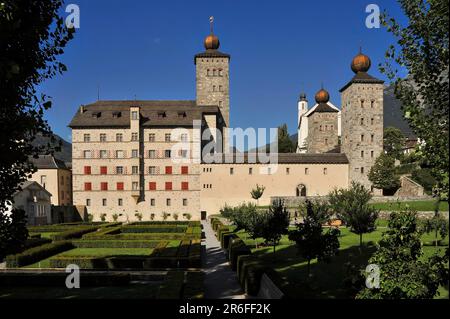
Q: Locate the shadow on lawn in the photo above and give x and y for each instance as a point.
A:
(326, 280)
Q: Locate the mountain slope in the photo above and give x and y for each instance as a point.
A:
(65, 154)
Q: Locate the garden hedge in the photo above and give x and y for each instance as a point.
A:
(147, 236)
(237, 248)
(152, 229)
(36, 254)
(194, 287)
(104, 231)
(86, 243)
(226, 238)
(172, 286)
(74, 233)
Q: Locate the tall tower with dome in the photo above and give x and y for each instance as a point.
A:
(212, 79)
(362, 121)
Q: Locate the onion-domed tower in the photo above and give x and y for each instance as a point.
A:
(362, 121)
(212, 81)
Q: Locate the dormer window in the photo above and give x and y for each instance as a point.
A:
(161, 114)
(117, 114)
(96, 114)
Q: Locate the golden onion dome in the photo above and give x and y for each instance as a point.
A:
(212, 42)
(322, 96)
(360, 63)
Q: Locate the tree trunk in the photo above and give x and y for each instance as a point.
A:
(309, 268)
(360, 240)
(436, 237)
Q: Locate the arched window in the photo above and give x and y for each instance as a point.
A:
(301, 190)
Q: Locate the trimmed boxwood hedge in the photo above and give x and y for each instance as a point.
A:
(35, 242)
(237, 248)
(172, 286)
(147, 236)
(35, 254)
(85, 243)
(73, 233)
(193, 287)
(104, 231)
(152, 229)
(226, 238)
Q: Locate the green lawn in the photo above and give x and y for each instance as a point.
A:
(328, 279)
(414, 205)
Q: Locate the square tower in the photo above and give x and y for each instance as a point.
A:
(362, 121)
(212, 80)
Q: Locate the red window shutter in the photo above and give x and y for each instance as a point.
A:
(104, 186)
(87, 170)
(184, 170)
(168, 169)
(120, 186)
(152, 186)
(168, 186)
(103, 170)
(184, 186)
(87, 186)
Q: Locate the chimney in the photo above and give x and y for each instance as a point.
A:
(81, 109)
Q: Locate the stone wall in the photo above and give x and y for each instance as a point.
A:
(409, 188)
(322, 132)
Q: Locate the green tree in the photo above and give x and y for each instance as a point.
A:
(404, 274)
(32, 36)
(422, 51)
(311, 239)
(352, 206)
(393, 142)
(13, 232)
(383, 174)
(240, 217)
(438, 225)
(257, 192)
(275, 223)
(285, 144)
(255, 223)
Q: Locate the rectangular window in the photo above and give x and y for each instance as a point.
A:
(306, 170)
(362, 121)
(250, 170)
(371, 154)
(372, 104)
(87, 186)
(102, 137)
(362, 170)
(152, 154)
(184, 186)
(167, 153)
(104, 202)
(185, 202)
(88, 202)
(362, 137)
(119, 170)
(152, 170)
(87, 170)
(119, 137)
(231, 170)
(134, 170)
(87, 154)
(87, 138)
(134, 115)
(134, 186)
(168, 170)
(152, 186)
(167, 137)
(362, 103)
(103, 154)
(168, 202)
(134, 137)
(362, 154)
(120, 186)
(183, 153)
(372, 137)
(371, 121)
(119, 202)
(151, 137)
(119, 154)
(104, 186)
(152, 202)
(103, 170)
(184, 137)
(287, 171)
(168, 186)
(134, 153)
(184, 170)
(325, 171)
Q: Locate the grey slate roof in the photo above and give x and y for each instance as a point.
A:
(27, 184)
(177, 113)
(47, 162)
(362, 77)
(323, 108)
(282, 158)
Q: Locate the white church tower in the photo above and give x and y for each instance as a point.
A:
(302, 127)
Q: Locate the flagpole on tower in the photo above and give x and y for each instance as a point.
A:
(211, 21)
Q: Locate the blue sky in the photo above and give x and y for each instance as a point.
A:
(278, 48)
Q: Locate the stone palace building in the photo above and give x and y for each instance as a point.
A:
(149, 157)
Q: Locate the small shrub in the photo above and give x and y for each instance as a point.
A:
(90, 218)
(103, 217)
(138, 216)
(115, 217)
(35, 254)
(165, 216)
(152, 216)
(175, 216)
(188, 216)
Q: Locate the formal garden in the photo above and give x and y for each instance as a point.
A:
(167, 254)
(324, 254)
